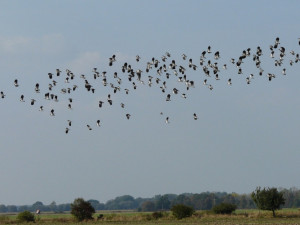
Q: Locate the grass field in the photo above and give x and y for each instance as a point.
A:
(285, 216)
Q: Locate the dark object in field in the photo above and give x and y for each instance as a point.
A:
(100, 216)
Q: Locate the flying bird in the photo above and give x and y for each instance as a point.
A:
(16, 83)
(22, 98)
(195, 116)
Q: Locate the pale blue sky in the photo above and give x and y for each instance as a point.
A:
(246, 135)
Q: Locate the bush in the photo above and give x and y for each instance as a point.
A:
(181, 211)
(25, 216)
(4, 219)
(82, 210)
(157, 215)
(224, 208)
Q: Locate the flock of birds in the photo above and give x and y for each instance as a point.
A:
(157, 72)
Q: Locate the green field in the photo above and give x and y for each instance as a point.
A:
(285, 216)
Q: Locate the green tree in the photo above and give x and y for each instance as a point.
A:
(82, 210)
(37, 205)
(53, 206)
(94, 203)
(181, 211)
(12, 208)
(268, 199)
(3, 208)
(122, 202)
(162, 203)
(148, 206)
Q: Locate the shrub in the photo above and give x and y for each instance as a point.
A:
(224, 208)
(82, 210)
(4, 219)
(157, 215)
(181, 211)
(25, 216)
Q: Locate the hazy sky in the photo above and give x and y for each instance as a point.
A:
(246, 135)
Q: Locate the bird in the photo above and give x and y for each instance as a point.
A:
(208, 49)
(98, 123)
(175, 90)
(69, 123)
(41, 108)
(270, 76)
(284, 71)
(58, 72)
(2, 94)
(128, 116)
(37, 88)
(137, 58)
(52, 112)
(32, 101)
(167, 120)
(229, 81)
(112, 60)
(217, 55)
(195, 116)
(168, 97)
(248, 80)
(22, 98)
(47, 96)
(16, 83)
(89, 127)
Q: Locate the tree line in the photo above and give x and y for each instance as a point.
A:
(202, 201)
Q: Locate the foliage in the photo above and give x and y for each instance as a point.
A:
(82, 210)
(3, 208)
(121, 203)
(4, 219)
(268, 199)
(25, 216)
(162, 203)
(253, 216)
(96, 204)
(181, 211)
(12, 208)
(199, 201)
(224, 208)
(157, 215)
(148, 206)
